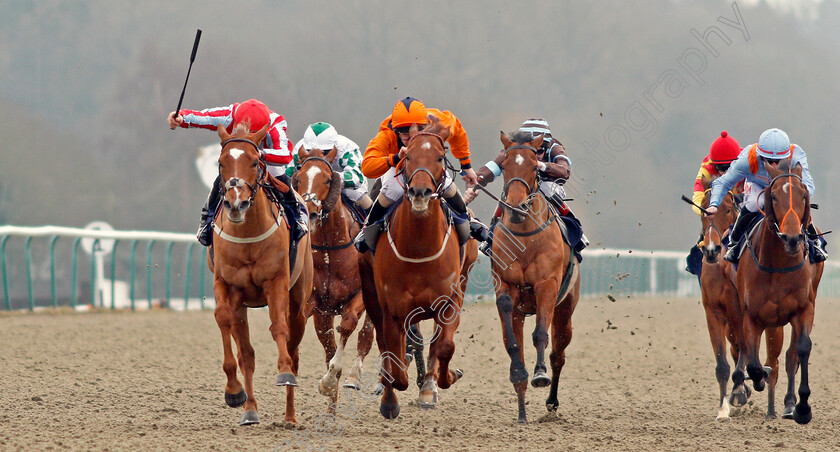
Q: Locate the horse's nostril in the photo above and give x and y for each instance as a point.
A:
(427, 192)
(226, 203)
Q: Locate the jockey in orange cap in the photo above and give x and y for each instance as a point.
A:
(276, 150)
(387, 149)
(723, 151)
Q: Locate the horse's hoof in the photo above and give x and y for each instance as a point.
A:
(327, 386)
(409, 358)
(770, 416)
(389, 411)
(250, 417)
(802, 414)
(723, 418)
(379, 389)
(428, 399)
(738, 399)
(286, 379)
(788, 412)
(350, 385)
(522, 420)
(540, 380)
(236, 400)
(552, 405)
(518, 374)
(758, 385)
(767, 370)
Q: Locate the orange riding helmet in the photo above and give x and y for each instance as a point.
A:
(408, 111)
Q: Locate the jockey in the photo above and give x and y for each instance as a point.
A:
(275, 151)
(348, 161)
(723, 151)
(554, 169)
(387, 149)
(773, 146)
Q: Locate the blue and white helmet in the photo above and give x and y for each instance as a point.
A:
(773, 144)
(535, 127)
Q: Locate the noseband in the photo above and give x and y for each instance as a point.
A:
(234, 181)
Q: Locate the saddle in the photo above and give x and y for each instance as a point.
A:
(355, 211)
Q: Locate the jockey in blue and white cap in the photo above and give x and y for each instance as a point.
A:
(772, 147)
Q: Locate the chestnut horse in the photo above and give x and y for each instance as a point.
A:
(537, 269)
(337, 285)
(720, 298)
(251, 269)
(418, 273)
(778, 285)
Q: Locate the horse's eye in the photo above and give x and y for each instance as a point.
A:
(773, 197)
(440, 159)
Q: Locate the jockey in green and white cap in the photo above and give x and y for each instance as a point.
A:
(348, 160)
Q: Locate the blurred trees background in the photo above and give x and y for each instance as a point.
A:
(86, 86)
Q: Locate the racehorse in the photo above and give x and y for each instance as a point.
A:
(337, 285)
(720, 299)
(537, 271)
(778, 285)
(418, 273)
(250, 260)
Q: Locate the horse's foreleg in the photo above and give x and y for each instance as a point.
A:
(505, 303)
(279, 307)
(752, 337)
(394, 375)
(546, 297)
(351, 312)
(235, 395)
(803, 324)
(414, 349)
(242, 337)
(448, 318)
(774, 338)
(297, 324)
(716, 324)
(324, 330)
(791, 366)
(561, 336)
(363, 345)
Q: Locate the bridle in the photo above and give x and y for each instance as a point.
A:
(438, 183)
(312, 197)
(775, 224)
(532, 188)
(234, 182)
(777, 229)
(712, 224)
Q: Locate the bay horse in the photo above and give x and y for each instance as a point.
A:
(537, 271)
(337, 284)
(251, 269)
(720, 298)
(778, 285)
(418, 273)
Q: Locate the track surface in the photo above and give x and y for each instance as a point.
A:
(639, 376)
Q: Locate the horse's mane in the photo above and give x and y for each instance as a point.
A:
(242, 129)
(784, 166)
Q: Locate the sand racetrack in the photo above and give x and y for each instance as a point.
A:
(639, 376)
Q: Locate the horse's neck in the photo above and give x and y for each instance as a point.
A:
(770, 250)
(258, 218)
(334, 227)
(411, 229)
(536, 217)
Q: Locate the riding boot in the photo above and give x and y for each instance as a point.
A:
(738, 231)
(208, 213)
(486, 246)
(295, 210)
(474, 228)
(816, 245)
(367, 237)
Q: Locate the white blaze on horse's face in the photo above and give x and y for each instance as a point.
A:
(785, 187)
(519, 160)
(236, 153)
(311, 173)
(426, 145)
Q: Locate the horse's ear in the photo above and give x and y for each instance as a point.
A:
(797, 169)
(505, 140)
(445, 133)
(330, 157)
(413, 130)
(223, 133)
(773, 172)
(538, 142)
(302, 154)
(260, 135)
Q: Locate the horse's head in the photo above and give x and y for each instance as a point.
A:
(714, 227)
(786, 204)
(424, 164)
(520, 172)
(240, 168)
(316, 181)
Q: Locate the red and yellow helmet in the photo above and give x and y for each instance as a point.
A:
(408, 111)
(724, 149)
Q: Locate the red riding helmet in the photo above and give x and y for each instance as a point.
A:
(254, 111)
(408, 111)
(724, 149)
